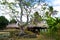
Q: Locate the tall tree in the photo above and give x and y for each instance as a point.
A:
(3, 22)
(52, 22)
(23, 5)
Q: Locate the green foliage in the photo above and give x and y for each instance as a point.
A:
(50, 22)
(54, 28)
(37, 18)
(3, 22)
(13, 21)
(50, 11)
(53, 23)
(50, 8)
(58, 23)
(47, 14)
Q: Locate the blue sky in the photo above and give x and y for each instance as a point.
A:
(56, 5)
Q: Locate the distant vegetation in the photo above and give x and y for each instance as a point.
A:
(13, 21)
(3, 22)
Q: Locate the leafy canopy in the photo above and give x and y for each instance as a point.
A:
(3, 22)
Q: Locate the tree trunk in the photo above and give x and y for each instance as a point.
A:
(21, 15)
(21, 11)
(27, 19)
(21, 24)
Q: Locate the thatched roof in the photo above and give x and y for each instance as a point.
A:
(12, 26)
(38, 25)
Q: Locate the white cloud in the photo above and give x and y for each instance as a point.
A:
(11, 0)
(58, 9)
(56, 2)
(8, 17)
(56, 6)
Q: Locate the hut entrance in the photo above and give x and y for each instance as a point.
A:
(36, 29)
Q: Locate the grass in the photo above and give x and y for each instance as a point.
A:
(25, 39)
(42, 36)
(4, 32)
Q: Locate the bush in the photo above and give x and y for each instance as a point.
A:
(3, 22)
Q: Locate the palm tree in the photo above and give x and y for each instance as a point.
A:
(50, 10)
(36, 18)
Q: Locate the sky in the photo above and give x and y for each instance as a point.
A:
(54, 3)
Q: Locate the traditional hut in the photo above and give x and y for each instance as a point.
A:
(37, 27)
(12, 26)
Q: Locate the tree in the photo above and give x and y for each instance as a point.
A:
(23, 5)
(3, 22)
(52, 22)
(51, 11)
(13, 21)
(36, 18)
